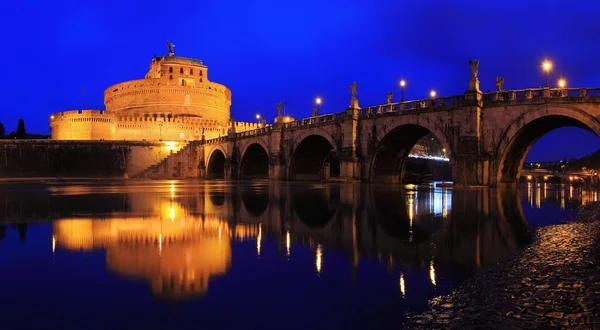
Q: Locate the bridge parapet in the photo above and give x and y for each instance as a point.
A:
(328, 118)
(530, 95)
(254, 132)
(441, 103)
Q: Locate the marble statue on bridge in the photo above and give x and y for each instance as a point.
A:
(474, 64)
(389, 98)
(474, 81)
(500, 84)
(279, 108)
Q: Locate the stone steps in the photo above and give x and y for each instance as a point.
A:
(147, 173)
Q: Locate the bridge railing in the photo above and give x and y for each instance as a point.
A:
(450, 102)
(258, 131)
(540, 93)
(315, 120)
(216, 140)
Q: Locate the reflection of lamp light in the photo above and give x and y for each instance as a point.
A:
(53, 244)
(318, 260)
(432, 273)
(287, 242)
(402, 288)
(258, 238)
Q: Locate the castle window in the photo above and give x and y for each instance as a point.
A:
(191, 71)
(180, 70)
(170, 69)
(200, 79)
(171, 77)
(201, 73)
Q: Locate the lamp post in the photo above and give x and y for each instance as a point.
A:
(402, 84)
(160, 125)
(432, 94)
(547, 66)
(318, 102)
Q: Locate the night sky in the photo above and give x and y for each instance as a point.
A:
(268, 51)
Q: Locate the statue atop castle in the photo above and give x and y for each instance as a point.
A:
(171, 46)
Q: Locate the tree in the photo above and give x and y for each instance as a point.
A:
(1, 130)
(21, 133)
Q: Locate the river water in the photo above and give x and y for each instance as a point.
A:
(179, 254)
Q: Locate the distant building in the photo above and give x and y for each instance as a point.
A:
(175, 101)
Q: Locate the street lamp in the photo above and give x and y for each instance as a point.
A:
(547, 66)
(318, 101)
(432, 94)
(402, 84)
(160, 125)
(562, 83)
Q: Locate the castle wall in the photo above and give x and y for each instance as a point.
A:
(101, 159)
(82, 125)
(152, 96)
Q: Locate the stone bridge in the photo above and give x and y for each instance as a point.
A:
(485, 135)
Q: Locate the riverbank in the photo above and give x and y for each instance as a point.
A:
(554, 283)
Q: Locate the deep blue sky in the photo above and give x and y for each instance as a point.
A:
(267, 51)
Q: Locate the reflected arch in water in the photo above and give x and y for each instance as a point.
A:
(312, 206)
(254, 163)
(216, 165)
(311, 157)
(256, 201)
(217, 198)
(388, 160)
(520, 136)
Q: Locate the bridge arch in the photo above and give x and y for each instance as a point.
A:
(255, 162)
(394, 144)
(521, 134)
(216, 164)
(312, 154)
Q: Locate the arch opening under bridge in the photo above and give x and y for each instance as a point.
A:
(255, 163)
(520, 137)
(216, 165)
(390, 158)
(314, 159)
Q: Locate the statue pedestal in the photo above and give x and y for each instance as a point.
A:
(354, 104)
(473, 85)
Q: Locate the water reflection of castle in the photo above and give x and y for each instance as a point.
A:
(173, 251)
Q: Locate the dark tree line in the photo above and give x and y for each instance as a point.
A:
(20, 133)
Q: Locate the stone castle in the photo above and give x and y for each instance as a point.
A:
(174, 102)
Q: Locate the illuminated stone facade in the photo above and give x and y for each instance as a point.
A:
(174, 102)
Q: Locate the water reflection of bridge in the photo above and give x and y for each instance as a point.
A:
(177, 236)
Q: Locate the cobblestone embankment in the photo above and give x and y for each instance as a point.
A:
(553, 284)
